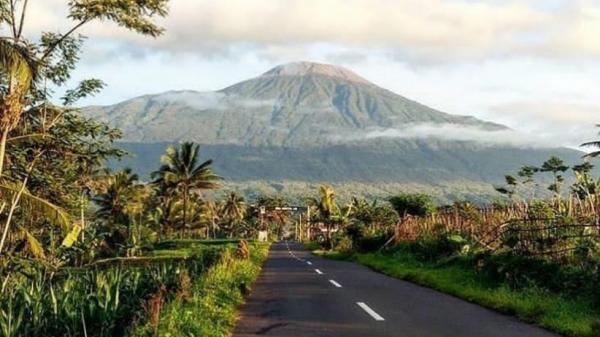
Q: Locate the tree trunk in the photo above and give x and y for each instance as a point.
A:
(329, 235)
(214, 228)
(82, 215)
(185, 207)
(3, 140)
(13, 206)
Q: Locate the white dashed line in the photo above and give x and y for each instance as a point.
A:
(309, 263)
(370, 311)
(337, 285)
(318, 271)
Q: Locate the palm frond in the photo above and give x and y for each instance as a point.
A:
(34, 246)
(592, 154)
(591, 144)
(53, 213)
(32, 136)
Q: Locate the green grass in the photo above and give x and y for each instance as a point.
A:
(312, 245)
(211, 307)
(188, 248)
(576, 317)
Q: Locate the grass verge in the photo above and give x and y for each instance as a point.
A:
(207, 306)
(569, 316)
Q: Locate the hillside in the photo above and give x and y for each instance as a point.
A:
(314, 122)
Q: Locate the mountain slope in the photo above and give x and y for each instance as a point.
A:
(314, 122)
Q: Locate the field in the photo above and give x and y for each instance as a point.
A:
(201, 283)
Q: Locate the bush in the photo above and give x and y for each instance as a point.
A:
(371, 243)
(105, 299)
(211, 308)
(413, 204)
(363, 240)
(519, 271)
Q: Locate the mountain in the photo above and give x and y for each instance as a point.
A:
(315, 122)
(297, 104)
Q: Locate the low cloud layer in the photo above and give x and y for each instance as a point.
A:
(211, 100)
(452, 132)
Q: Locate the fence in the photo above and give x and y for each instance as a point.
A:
(555, 229)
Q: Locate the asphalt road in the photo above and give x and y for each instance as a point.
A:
(298, 294)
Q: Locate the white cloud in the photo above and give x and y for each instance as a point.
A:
(452, 132)
(197, 100)
(419, 30)
(212, 100)
(530, 64)
(559, 122)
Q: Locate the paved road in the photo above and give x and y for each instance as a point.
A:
(299, 294)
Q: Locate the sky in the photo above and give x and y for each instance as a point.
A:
(533, 65)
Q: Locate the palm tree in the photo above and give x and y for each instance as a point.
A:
(326, 208)
(273, 216)
(112, 204)
(181, 171)
(595, 144)
(233, 211)
(210, 213)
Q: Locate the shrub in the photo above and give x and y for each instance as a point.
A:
(104, 299)
(210, 310)
(413, 204)
(540, 210)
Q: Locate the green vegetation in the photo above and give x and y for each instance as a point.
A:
(413, 204)
(206, 306)
(538, 259)
(85, 251)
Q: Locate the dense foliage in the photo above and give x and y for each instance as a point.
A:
(85, 251)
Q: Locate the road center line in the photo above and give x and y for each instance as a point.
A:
(370, 311)
(337, 285)
(318, 271)
(309, 263)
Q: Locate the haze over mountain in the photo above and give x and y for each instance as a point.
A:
(316, 122)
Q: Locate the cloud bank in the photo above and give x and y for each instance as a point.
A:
(452, 132)
(424, 30)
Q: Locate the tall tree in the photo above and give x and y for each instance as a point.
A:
(326, 208)
(27, 66)
(233, 211)
(557, 167)
(27, 69)
(112, 205)
(183, 171)
(211, 214)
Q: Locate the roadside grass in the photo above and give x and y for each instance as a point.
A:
(569, 316)
(208, 307)
(312, 246)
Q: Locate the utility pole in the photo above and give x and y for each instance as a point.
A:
(299, 229)
(308, 225)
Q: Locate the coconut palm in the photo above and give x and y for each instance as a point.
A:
(233, 211)
(594, 144)
(272, 215)
(181, 171)
(211, 215)
(113, 204)
(326, 208)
